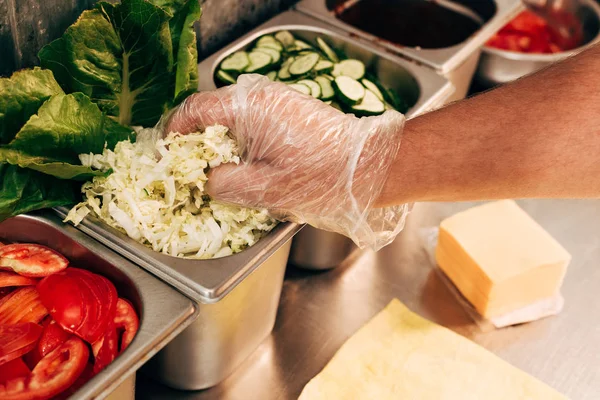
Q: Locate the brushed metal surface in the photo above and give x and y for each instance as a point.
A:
(499, 66)
(320, 310)
(313, 248)
(164, 313)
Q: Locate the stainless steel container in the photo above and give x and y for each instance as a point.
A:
(163, 312)
(313, 248)
(458, 62)
(237, 298)
(500, 66)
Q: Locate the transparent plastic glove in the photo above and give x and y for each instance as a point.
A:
(303, 160)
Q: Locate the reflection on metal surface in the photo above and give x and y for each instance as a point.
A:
(163, 312)
(320, 310)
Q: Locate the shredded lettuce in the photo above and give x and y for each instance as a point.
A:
(155, 194)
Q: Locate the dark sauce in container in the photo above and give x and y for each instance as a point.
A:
(411, 23)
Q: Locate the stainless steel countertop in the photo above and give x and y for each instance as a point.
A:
(320, 310)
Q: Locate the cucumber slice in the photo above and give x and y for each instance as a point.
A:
(236, 62)
(349, 90)
(286, 38)
(259, 62)
(304, 64)
(373, 88)
(275, 55)
(300, 45)
(300, 88)
(328, 102)
(284, 71)
(370, 105)
(337, 106)
(270, 42)
(327, 91)
(352, 68)
(272, 75)
(225, 77)
(315, 88)
(328, 51)
(324, 66)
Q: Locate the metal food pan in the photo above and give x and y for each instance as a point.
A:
(313, 248)
(458, 62)
(237, 298)
(163, 312)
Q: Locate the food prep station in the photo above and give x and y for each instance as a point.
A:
(261, 323)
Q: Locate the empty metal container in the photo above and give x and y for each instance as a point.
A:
(163, 311)
(236, 296)
(422, 88)
(455, 55)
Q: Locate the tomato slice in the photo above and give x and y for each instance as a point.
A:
(105, 350)
(22, 305)
(53, 336)
(8, 279)
(82, 302)
(31, 260)
(54, 373)
(13, 369)
(86, 375)
(126, 320)
(17, 339)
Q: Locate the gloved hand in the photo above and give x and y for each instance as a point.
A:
(303, 160)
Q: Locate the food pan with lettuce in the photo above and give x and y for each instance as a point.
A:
(83, 123)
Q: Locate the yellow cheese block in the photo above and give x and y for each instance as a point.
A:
(499, 258)
(399, 355)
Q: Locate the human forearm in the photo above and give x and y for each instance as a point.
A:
(537, 137)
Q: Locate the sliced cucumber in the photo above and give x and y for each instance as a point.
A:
(349, 90)
(286, 38)
(272, 75)
(370, 105)
(328, 51)
(259, 62)
(275, 55)
(284, 71)
(236, 62)
(327, 91)
(373, 88)
(324, 66)
(352, 68)
(328, 102)
(315, 88)
(337, 106)
(270, 42)
(300, 88)
(304, 64)
(225, 77)
(300, 45)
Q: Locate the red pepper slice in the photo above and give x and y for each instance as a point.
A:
(22, 305)
(82, 302)
(8, 279)
(31, 260)
(54, 374)
(13, 369)
(17, 339)
(126, 320)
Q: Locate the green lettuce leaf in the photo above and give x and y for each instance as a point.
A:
(24, 190)
(133, 59)
(64, 127)
(21, 96)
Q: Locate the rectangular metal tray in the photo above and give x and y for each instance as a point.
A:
(443, 60)
(428, 89)
(163, 312)
(202, 280)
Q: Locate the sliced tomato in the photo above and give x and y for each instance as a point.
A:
(52, 336)
(8, 279)
(86, 375)
(54, 373)
(13, 369)
(31, 260)
(105, 350)
(82, 302)
(22, 305)
(17, 339)
(126, 321)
